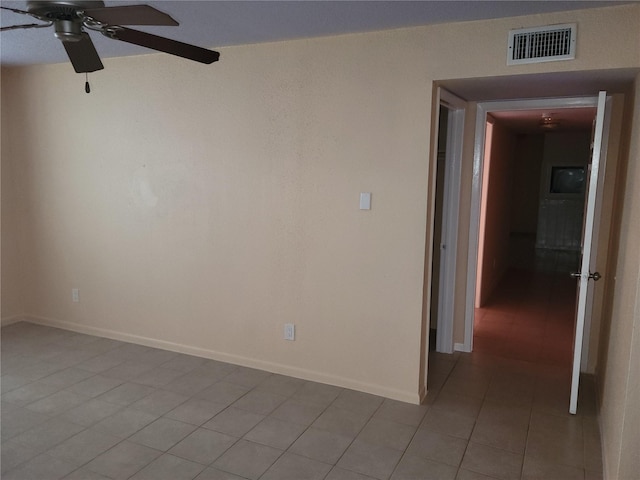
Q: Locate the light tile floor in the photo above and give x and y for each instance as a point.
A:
(88, 408)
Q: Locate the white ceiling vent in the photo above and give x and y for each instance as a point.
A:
(542, 44)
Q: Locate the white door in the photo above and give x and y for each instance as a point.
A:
(587, 274)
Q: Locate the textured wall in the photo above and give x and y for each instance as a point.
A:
(620, 356)
(495, 218)
(208, 206)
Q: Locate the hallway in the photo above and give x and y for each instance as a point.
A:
(529, 317)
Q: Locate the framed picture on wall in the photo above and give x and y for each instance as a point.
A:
(567, 180)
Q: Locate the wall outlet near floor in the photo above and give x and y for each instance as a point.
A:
(75, 295)
(289, 331)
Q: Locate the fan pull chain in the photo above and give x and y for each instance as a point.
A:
(87, 87)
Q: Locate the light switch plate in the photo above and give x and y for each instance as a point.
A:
(365, 201)
(289, 331)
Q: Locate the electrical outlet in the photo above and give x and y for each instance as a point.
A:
(75, 295)
(289, 331)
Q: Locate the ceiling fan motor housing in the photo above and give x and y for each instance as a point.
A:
(68, 25)
(61, 9)
(68, 30)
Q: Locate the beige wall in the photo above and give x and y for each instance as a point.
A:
(12, 306)
(620, 355)
(493, 248)
(208, 206)
(560, 216)
(201, 208)
(608, 234)
(527, 171)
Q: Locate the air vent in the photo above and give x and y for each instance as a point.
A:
(542, 44)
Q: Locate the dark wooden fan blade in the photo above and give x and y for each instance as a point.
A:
(83, 55)
(130, 15)
(29, 25)
(15, 10)
(162, 44)
(23, 12)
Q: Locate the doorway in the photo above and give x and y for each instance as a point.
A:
(530, 230)
(484, 112)
(446, 187)
(493, 95)
(593, 185)
(437, 257)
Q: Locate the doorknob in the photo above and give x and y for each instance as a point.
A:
(595, 276)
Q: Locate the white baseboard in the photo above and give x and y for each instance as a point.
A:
(272, 367)
(603, 434)
(10, 320)
(423, 394)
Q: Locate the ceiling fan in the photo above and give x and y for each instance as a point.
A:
(70, 18)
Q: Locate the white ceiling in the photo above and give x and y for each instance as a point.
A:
(221, 23)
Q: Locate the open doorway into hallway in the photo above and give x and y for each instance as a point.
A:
(530, 232)
(512, 93)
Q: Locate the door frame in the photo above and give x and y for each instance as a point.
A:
(483, 109)
(448, 243)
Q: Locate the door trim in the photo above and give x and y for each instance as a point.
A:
(448, 243)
